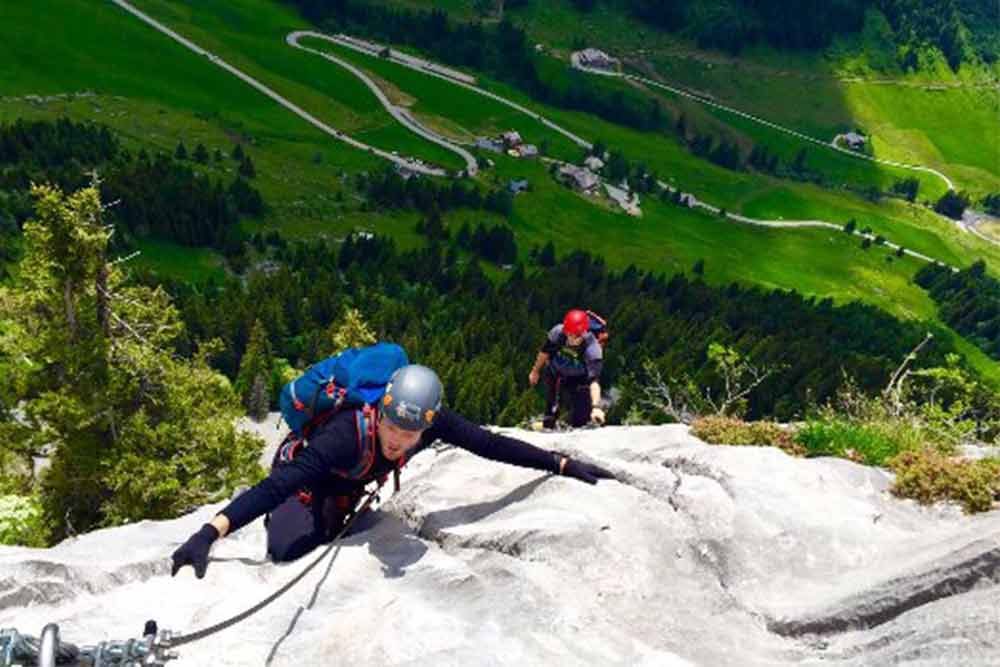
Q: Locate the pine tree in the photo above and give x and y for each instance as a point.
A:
(257, 361)
(180, 152)
(548, 255)
(260, 401)
(350, 331)
(952, 204)
(133, 428)
(247, 169)
(246, 197)
(464, 238)
(680, 127)
(200, 153)
(799, 163)
(238, 153)
(617, 167)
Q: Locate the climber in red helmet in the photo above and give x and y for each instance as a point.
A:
(571, 359)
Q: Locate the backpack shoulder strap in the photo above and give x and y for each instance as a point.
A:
(365, 430)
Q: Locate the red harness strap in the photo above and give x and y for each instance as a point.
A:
(366, 423)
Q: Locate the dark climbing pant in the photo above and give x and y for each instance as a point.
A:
(575, 391)
(297, 526)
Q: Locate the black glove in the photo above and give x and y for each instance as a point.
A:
(194, 552)
(585, 472)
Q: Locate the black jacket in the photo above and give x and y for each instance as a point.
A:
(580, 363)
(334, 447)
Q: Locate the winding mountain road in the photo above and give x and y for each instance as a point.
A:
(288, 104)
(374, 51)
(402, 115)
(431, 69)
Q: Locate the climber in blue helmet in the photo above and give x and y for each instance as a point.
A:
(350, 449)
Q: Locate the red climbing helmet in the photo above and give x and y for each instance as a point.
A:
(576, 323)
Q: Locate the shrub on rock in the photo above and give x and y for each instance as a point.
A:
(928, 476)
(720, 430)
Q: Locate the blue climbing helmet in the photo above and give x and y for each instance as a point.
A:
(412, 398)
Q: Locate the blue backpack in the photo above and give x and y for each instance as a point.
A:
(356, 377)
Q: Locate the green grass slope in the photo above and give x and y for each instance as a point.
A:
(251, 36)
(936, 118)
(749, 193)
(93, 61)
(948, 125)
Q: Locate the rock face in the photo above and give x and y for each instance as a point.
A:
(700, 555)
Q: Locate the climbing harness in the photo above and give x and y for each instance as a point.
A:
(155, 648)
